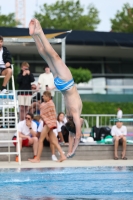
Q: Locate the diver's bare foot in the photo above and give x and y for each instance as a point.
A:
(35, 160)
(34, 27)
(62, 158)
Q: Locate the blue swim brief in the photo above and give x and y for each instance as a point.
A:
(63, 85)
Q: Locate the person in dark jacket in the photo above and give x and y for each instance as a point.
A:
(5, 66)
(24, 80)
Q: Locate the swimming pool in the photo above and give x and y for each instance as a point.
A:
(93, 183)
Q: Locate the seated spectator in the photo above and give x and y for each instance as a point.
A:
(27, 131)
(119, 133)
(37, 120)
(5, 66)
(46, 142)
(63, 133)
(35, 100)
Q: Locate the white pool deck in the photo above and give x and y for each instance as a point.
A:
(67, 163)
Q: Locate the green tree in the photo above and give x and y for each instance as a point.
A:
(8, 20)
(123, 21)
(68, 15)
(80, 75)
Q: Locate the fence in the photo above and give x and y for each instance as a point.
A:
(90, 119)
(103, 120)
(58, 100)
(98, 120)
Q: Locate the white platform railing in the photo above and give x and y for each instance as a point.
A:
(100, 120)
(6, 118)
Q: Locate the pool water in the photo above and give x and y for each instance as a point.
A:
(93, 183)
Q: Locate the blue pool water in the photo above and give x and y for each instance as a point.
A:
(93, 183)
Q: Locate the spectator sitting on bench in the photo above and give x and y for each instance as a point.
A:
(5, 66)
(119, 133)
(61, 120)
(27, 132)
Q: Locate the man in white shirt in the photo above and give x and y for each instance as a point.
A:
(27, 131)
(119, 113)
(46, 81)
(5, 66)
(119, 133)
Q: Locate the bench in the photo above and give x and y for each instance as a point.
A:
(83, 152)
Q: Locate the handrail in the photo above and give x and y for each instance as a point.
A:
(105, 119)
(6, 98)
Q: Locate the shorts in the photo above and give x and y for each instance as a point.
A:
(54, 127)
(72, 134)
(24, 100)
(51, 128)
(63, 85)
(2, 69)
(25, 143)
(65, 133)
(120, 141)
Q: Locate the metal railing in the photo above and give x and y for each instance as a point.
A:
(90, 119)
(58, 99)
(7, 102)
(100, 120)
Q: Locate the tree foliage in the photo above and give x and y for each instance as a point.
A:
(80, 75)
(106, 107)
(68, 15)
(8, 20)
(123, 21)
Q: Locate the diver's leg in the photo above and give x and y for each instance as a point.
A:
(47, 52)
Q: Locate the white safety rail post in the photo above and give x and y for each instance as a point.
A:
(97, 121)
(6, 104)
(63, 103)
